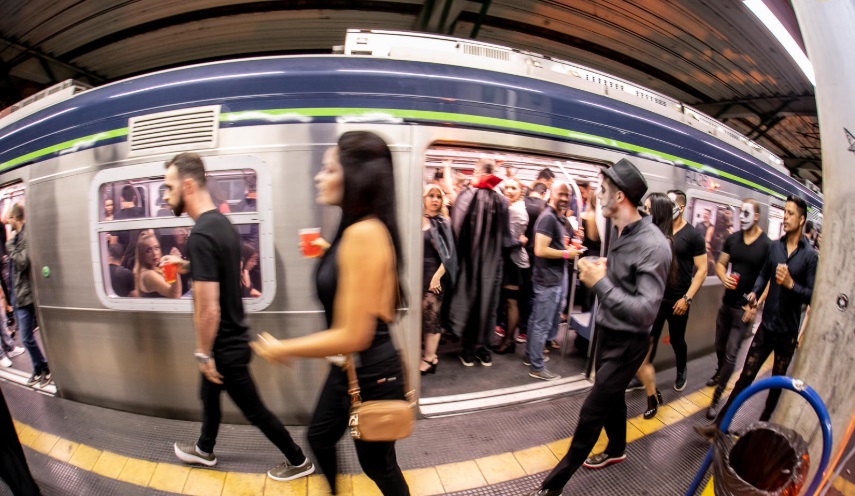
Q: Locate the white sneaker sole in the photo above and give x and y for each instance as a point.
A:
(310, 471)
(188, 458)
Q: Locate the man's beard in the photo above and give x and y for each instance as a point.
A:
(178, 209)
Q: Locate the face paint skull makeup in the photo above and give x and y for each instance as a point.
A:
(746, 216)
(675, 209)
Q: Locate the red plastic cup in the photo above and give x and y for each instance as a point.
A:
(735, 276)
(576, 243)
(566, 240)
(306, 238)
(170, 272)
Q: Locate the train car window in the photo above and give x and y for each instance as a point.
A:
(135, 228)
(776, 222)
(716, 219)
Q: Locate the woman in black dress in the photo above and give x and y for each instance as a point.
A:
(357, 282)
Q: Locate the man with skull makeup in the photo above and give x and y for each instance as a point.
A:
(747, 251)
(789, 271)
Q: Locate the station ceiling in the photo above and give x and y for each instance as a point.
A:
(711, 54)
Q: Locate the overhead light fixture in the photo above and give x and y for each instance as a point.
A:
(784, 37)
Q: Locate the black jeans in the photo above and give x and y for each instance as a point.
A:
(619, 356)
(676, 332)
(13, 464)
(729, 333)
(380, 381)
(783, 345)
(238, 383)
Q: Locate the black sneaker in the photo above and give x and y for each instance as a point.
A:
(189, 453)
(634, 385)
(712, 411)
(35, 378)
(467, 358)
(603, 460)
(680, 383)
(714, 379)
(484, 357)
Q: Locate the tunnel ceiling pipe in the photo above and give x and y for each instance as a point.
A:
(825, 357)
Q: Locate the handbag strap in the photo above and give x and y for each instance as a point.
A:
(353, 382)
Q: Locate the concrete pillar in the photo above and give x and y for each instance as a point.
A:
(825, 359)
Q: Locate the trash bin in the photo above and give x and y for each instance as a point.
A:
(766, 460)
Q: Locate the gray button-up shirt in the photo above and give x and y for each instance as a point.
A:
(638, 264)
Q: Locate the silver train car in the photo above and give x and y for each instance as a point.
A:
(262, 126)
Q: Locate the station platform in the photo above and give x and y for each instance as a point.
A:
(77, 449)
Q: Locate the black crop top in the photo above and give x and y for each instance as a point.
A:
(326, 280)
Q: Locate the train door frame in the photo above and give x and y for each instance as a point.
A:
(499, 143)
(729, 199)
(263, 217)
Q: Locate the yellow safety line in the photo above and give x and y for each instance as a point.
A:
(439, 479)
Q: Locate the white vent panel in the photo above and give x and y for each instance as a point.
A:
(174, 131)
(485, 51)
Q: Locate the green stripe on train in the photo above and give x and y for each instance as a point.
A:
(66, 145)
(378, 115)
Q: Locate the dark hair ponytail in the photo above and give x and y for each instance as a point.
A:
(662, 211)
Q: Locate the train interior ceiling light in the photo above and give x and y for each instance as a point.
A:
(773, 24)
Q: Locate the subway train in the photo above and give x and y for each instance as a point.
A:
(88, 165)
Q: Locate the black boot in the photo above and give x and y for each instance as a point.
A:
(652, 406)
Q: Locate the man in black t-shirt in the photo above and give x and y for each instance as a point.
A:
(222, 337)
(747, 251)
(691, 254)
(549, 278)
(534, 205)
(121, 279)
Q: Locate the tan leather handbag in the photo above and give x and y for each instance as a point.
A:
(380, 420)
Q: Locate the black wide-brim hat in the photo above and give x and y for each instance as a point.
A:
(628, 179)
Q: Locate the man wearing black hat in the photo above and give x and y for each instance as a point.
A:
(629, 289)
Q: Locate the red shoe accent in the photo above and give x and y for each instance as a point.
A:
(500, 332)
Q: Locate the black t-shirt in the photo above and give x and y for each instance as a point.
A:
(121, 280)
(747, 261)
(533, 207)
(688, 244)
(214, 252)
(549, 272)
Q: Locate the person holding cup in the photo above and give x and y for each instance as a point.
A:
(152, 279)
(358, 283)
(630, 289)
(745, 251)
(789, 272)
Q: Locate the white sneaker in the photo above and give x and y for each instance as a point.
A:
(15, 352)
(5, 362)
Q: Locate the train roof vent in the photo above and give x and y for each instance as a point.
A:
(174, 131)
(486, 51)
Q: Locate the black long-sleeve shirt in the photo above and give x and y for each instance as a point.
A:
(783, 305)
(637, 268)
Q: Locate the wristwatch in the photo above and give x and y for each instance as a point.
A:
(688, 300)
(202, 358)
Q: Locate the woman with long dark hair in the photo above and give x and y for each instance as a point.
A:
(358, 284)
(661, 209)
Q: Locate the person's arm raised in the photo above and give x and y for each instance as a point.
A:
(366, 289)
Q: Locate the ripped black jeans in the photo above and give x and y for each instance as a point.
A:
(764, 343)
